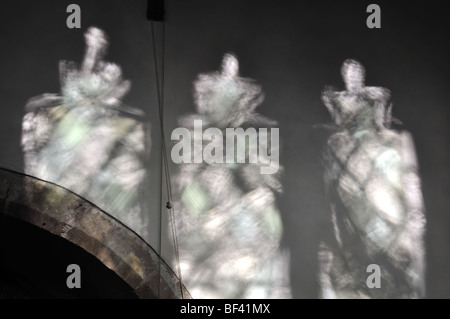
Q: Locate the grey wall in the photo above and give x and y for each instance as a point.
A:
(293, 49)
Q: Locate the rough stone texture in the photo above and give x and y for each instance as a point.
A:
(71, 217)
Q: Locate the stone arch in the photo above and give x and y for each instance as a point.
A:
(79, 228)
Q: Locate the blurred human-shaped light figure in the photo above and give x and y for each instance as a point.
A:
(228, 221)
(87, 140)
(377, 212)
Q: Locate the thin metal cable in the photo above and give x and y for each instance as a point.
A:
(164, 165)
(160, 164)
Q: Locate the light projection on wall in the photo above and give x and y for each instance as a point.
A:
(228, 222)
(87, 140)
(377, 211)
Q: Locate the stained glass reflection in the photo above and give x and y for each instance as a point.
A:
(228, 221)
(377, 212)
(86, 140)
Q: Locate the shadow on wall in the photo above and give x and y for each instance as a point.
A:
(228, 222)
(88, 141)
(377, 214)
(226, 189)
(231, 226)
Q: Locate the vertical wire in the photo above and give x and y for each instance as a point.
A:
(163, 163)
(160, 163)
(169, 205)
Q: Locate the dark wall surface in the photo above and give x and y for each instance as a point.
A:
(293, 49)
